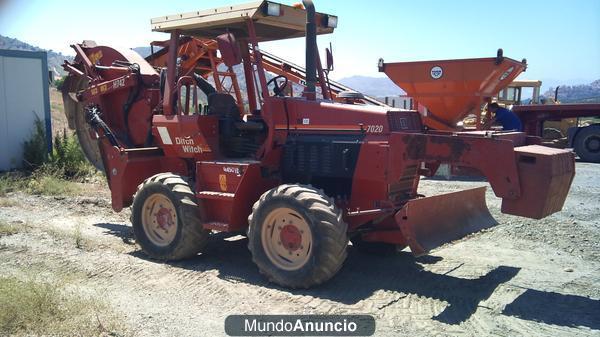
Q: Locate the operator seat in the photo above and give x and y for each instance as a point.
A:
(222, 104)
(224, 107)
(236, 136)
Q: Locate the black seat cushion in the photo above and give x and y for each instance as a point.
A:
(223, 105)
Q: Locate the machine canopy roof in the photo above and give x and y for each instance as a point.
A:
(290, 23)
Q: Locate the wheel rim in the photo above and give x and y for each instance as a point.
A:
(286, 239)
(159, 219)
(593, 144)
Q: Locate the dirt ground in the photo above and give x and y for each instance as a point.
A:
(521, 278)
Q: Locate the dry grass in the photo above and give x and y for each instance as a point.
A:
(10, 182)
(73, 236)
(36, 308)
(9, 228)
(51, 185)
(41, 183)
(5, 202)
(59, 120)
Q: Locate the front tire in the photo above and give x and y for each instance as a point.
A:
(587, 144)
(166, 218)
(297, 236)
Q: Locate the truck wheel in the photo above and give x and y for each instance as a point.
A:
(587, 144)
(374, 248)
(166, 218)
(297, 236)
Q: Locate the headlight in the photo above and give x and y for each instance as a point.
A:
(330, 21)
(273, 9)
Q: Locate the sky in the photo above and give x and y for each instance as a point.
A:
(559, 38)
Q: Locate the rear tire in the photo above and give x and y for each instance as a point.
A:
(166, 218)
(587, 144)
(297, 236)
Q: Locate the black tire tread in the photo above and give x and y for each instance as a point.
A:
(329, 218)
(579, 145)
(193, 237)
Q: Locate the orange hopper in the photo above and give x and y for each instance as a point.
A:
(453, 89)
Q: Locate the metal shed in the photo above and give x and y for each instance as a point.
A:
(24, 96)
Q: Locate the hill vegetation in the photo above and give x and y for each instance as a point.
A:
(372, 86)
(584, 93)
(55, 59)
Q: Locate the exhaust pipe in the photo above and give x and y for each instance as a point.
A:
(311, 49)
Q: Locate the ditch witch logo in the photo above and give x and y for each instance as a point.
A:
(300, 325)
(187, 145)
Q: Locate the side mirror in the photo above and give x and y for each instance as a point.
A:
(329, 56)
(230, 50)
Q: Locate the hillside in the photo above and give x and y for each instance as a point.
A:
(583, 93)
(144, 51)
(372, 86)
(55, 60)
(382, 86)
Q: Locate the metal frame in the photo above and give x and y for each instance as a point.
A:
(209, 23)
(43, 57)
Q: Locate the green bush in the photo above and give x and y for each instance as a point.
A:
(49, 174)
(58, 83)
(66, 161)
(35, 152)
(67, 158)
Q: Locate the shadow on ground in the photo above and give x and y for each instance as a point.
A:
(555, 308)
(362, 275)
(119, 230)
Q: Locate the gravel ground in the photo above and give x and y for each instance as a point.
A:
(521, 278)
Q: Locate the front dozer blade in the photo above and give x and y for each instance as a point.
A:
(430, 222)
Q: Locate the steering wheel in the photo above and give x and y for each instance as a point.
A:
(277, 88)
